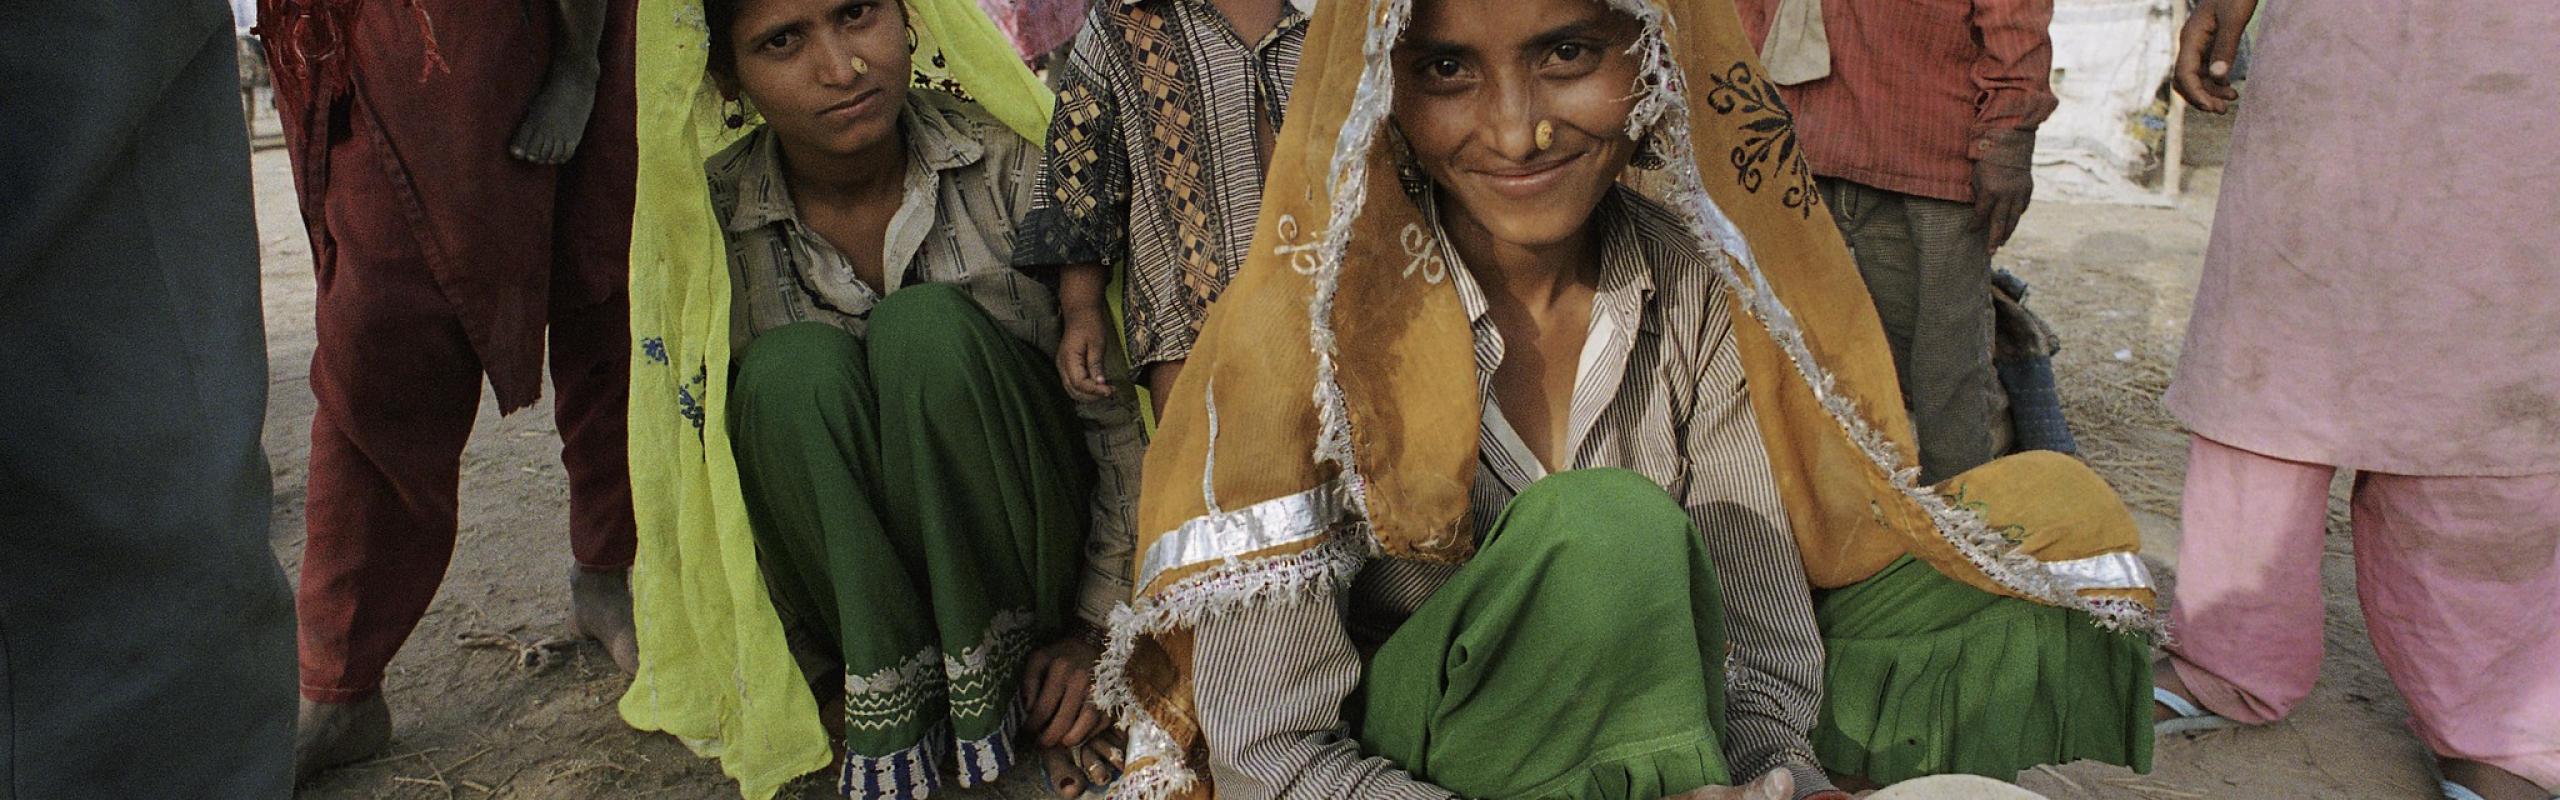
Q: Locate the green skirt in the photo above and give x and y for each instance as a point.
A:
(919, 502)
(1580, 656)
(1924, 675)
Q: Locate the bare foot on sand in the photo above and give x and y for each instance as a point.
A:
(2491, 782)
(600, 609)
(333, 734)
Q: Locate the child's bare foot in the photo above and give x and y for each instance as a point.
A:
(333, 734)
(557, 118)
(600, 609)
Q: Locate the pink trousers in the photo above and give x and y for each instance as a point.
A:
(2459, 578)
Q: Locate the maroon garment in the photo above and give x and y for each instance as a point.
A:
(1914, 86)
(438, 86)
(442, 259)
(386, 451)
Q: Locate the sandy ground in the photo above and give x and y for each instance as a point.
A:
(469, 723)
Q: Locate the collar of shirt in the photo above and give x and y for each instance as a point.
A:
(934, 142)
(1621, 306)
(935, 145)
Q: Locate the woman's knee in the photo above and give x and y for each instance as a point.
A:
(799, 364)
(1611, 513)
(933, 338)
(925, 319)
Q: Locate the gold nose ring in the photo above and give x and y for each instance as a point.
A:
(1546, 134)
(861, 67)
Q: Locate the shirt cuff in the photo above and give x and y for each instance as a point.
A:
(1997, 145)
(2010, 110)
(1100, 596)
(1810, 779)
(1048, 237)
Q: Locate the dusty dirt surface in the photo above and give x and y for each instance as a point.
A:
(470, 723)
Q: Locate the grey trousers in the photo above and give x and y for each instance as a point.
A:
(1930, 273)
(146, 634)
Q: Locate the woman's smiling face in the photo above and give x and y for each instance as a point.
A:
(829, 76)
(1476, 82)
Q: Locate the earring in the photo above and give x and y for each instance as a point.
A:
(1546, 134)
(1649, 153)
(1409, 175)
(737, 116)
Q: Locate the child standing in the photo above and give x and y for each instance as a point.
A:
(1166, 114)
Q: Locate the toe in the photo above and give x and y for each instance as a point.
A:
(1064, 780)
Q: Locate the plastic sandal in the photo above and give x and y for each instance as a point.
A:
(2194, 719)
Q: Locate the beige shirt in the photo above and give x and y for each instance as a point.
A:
(967, 183)
(1659, 390)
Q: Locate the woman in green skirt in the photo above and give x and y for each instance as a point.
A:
(1609, 496)
(920, 490)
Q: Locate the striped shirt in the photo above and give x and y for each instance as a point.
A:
(1155, 158)
(1915, 86)
(964, 190)
(1659, 390)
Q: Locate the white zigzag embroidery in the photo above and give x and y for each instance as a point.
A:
(892, 696)
(982, 676)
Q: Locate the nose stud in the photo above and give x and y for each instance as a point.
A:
(861, 67)
(1546, 134)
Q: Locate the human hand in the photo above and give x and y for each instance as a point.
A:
(2207, 47)
(2003, 182)
(1776, 784)
(1080, 352)
(1057, 680)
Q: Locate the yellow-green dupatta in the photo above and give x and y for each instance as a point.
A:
(714, 671)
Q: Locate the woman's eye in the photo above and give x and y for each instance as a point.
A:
(1442, 68)
(857, 12)
(779, 41)
(1572, 59)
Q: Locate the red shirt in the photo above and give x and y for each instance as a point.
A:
(1915, 84)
